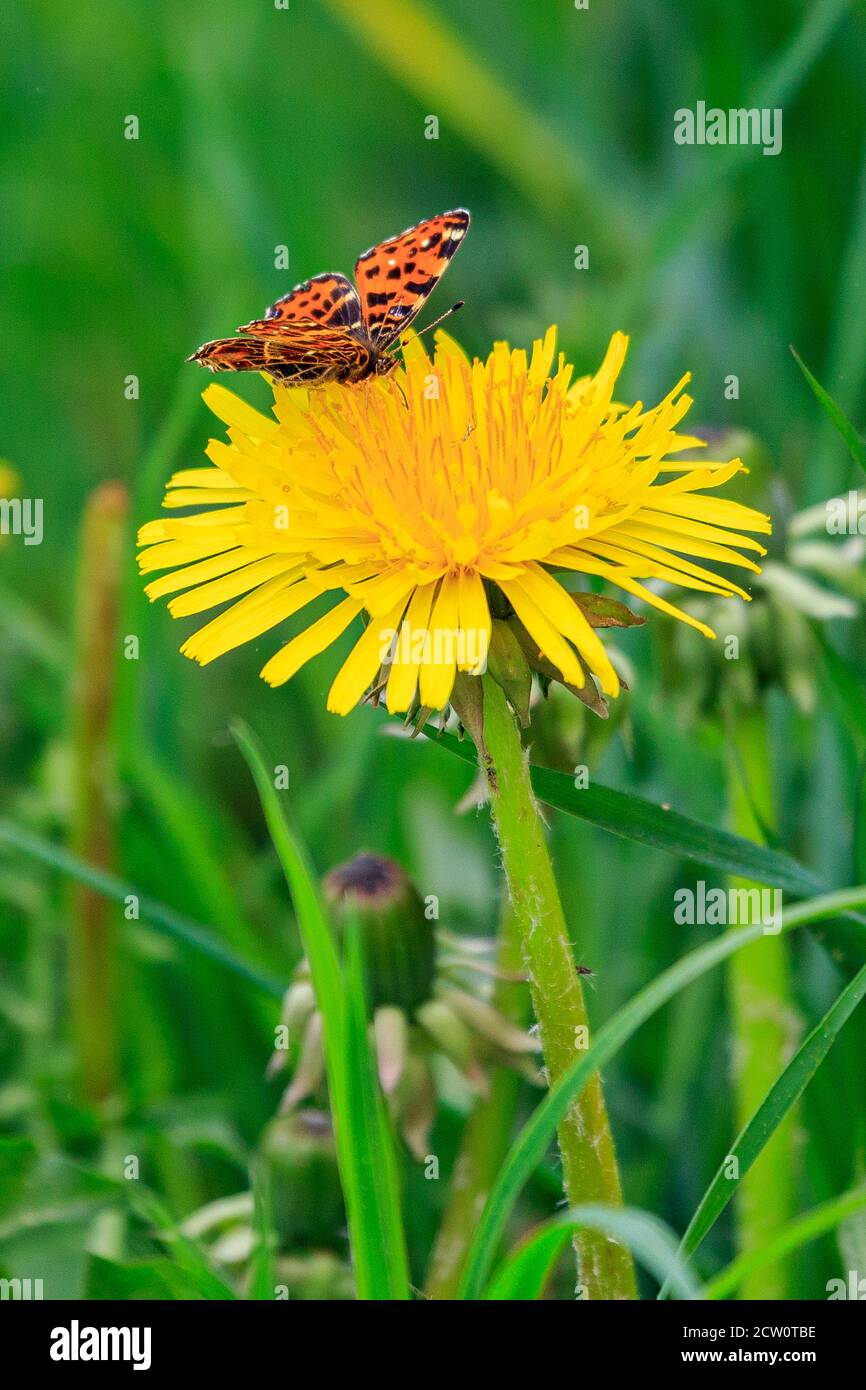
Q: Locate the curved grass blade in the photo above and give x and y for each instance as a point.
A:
(186, 1253)
(363, 1143)
(787, 1089)
(523, 1275)
(633, 818)
(155, 914)
(533, 1140)
(853, 443)
(845, 684)
(815, 1223)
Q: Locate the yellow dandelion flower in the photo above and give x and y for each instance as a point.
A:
(420, 500)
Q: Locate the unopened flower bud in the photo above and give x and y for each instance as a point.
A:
(398, 940)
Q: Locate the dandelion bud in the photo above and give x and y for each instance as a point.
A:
(508, 666)
(399, 942)
(300, 1158)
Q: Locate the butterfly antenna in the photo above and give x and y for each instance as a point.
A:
(447, 314)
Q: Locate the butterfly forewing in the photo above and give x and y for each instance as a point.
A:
(326, 299)
(396, 278)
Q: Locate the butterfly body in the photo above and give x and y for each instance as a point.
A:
(327, 330)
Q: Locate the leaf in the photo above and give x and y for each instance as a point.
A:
(155, 914)
(372, 1202)
(49, 1190)
(602, 611)
(784, 1093)
(853, 443)
(633, 818)
(148, 1279)
(796, 1233)
(186, 1253)
(532, 1142)
(525, 1272)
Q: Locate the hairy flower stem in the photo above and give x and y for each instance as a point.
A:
(487, 1133)
(590, 1172)
(763, 1024)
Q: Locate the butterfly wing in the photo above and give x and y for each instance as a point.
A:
(396, 278)
(327, 299)
(301, 353)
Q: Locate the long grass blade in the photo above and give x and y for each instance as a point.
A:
(523, 1275)
(155, 914)
(633, 818)
(853, 443)
(786, 1090)
(796, 1233)
(363, 1149)
(531, 1145)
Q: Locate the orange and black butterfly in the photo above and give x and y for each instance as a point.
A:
(326, 330)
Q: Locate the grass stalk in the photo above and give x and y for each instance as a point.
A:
(590, 1172)
(92, 944)
(763, 1025)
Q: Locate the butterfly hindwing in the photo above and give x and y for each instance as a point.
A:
(396, 277)
(327, 299)
(302, 352)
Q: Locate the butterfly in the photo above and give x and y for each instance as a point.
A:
(327, 330)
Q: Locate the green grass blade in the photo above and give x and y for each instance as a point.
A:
(533, 1140)
(853, 443)
(372, 1141)
(523, 1275)
(633, 818)
(186, 1253)
(787, 1089)
(813, 1224)
(845, 684)
(315, 929)
(155, 914)
(375, 1234)
(262, 1284)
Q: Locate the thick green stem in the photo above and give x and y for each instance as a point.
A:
(590, 1172)
(92, 944)
(486, 1136)
(764, 1027)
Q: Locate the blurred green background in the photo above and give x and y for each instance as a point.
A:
(305, 127)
